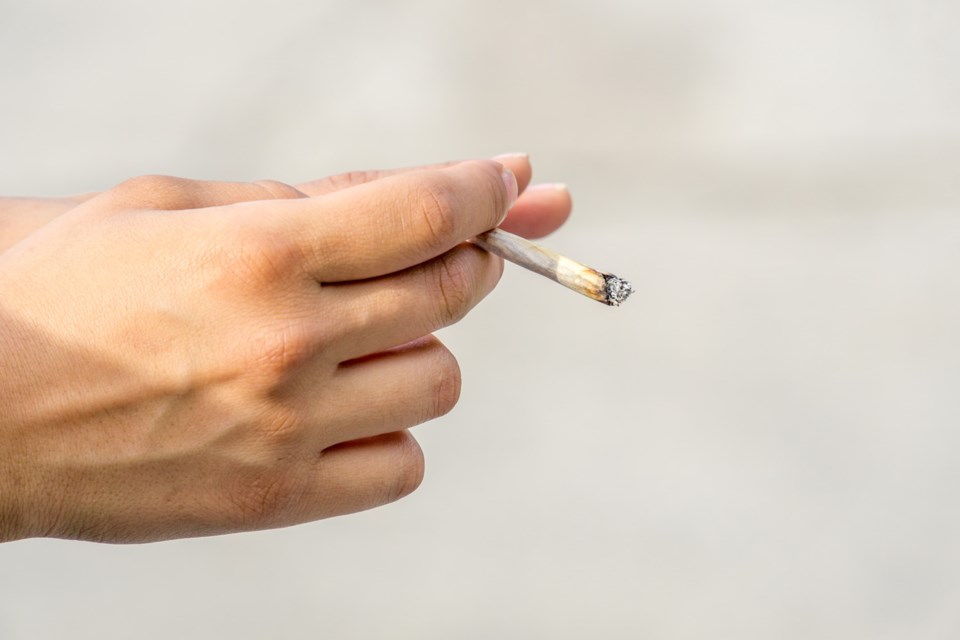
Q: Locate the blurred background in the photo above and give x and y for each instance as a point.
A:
(763, 443)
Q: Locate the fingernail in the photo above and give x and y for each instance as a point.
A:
(510, 182)
(512, 156)
(549, 186)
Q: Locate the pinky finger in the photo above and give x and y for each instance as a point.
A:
(367, 473)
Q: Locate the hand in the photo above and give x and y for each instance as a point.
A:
(186, 358)
(535, 215)
(19, 217)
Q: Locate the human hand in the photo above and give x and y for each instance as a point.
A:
(183, 358)
(19, 217)
(538, 212)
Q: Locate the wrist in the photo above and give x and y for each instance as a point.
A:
(19, 217)
(16, 487)
(12, 525)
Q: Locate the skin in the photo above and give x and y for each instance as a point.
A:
(187, 358)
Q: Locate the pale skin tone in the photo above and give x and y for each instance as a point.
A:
(182, 358)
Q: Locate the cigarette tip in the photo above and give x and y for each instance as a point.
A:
(617, 290)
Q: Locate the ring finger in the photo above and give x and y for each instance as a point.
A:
(389, 392)
(381, 313)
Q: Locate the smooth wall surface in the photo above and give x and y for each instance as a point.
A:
(764, 443)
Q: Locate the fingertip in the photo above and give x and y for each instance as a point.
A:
(513, 190)
(541, 210)
(491, 198)
(519, 155)
(551, 187)
(519, 164)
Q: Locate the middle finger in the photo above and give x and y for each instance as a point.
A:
(391, 391)
(381, 313)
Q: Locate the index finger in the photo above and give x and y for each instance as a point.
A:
(396, 222)
(518, 163)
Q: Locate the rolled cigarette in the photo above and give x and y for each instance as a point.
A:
(602, 287)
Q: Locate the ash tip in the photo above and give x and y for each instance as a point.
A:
(617, 289)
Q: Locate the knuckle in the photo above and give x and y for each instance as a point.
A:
(436, 208)
(351, 179)
(454, 280)
(366, 315)
(155, 191)
(282, 351)
(151, 183)
(279, 190)
(263, 257)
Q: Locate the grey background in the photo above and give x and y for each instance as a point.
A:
(762, 444)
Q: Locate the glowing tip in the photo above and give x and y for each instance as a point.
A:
(617, 290)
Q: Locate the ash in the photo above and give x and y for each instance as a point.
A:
(617, 290)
